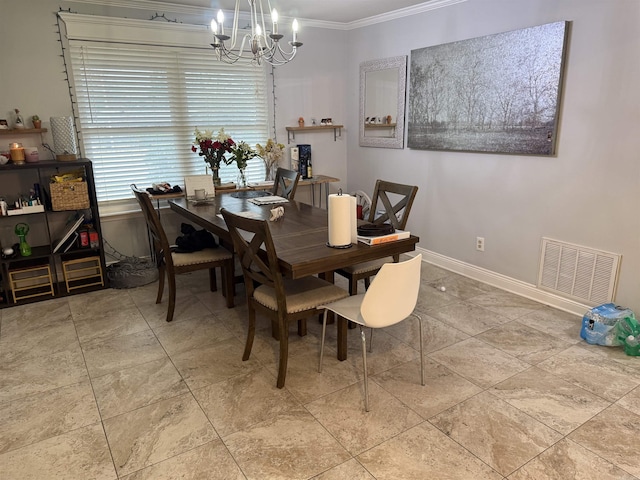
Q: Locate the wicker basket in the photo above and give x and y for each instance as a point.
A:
(69, 196)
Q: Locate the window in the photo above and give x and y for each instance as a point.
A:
(138, 106)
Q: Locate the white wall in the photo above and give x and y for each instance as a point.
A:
(588, 194)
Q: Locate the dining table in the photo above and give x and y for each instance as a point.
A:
(300, 237)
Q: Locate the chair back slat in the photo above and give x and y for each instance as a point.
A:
(396, 210)
(256, 251)
(286, 183)
(158, 235)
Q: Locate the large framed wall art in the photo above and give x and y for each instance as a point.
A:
(498, 94)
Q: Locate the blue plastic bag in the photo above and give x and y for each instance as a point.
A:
(599, 324)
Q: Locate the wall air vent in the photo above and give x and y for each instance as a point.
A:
(577, 272)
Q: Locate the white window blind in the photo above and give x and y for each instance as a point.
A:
(138, 106)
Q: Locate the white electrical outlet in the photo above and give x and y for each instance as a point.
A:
(480, 244)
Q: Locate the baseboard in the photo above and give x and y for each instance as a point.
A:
(503, 282)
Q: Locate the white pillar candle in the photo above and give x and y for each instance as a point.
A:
(339, 214)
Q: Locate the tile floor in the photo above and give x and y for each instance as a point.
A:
(99, 386)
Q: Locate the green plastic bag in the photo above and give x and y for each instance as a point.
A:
(629, 334)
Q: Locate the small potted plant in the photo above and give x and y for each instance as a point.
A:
(37, 123)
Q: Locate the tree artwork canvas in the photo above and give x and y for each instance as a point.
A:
(498, 94)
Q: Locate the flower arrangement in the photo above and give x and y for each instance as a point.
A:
(271, 154)
(241, 153)
(213, 149)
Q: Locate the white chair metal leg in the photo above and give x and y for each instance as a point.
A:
(421, 349)
(366, 374)
(371, 341)
(324, 329)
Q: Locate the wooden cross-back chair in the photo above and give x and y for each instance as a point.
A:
(396, 200)
(282, 300)
(286, 183)
(171, 263)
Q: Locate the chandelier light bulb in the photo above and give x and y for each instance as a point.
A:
(258, 30)
(274, 19)
(221, 21)
(214, 27)
(294, 27)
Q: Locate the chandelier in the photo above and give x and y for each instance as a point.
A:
(257, 46)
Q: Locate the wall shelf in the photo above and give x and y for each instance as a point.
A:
(291, 131)
(23, 131)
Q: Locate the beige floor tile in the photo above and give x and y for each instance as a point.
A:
(126, 390)
(589, 370)
(145, 294)
(435, 334)
(562, 325)
(474, 422)
(80, 454)
(292, 445)
(461, 287)
(212, 363)
(306, 384)
(23, 319)
(479, 362)
(430, 273)
(431, 297)
(343, 414)
(187, 306)
(467, 317)
(549, 399)
(424, 452)
(351, 469)
(207, 462)
(20, 378)
(612, 434)
(523, 342)
(442, 388)
(506, 303)
(157, 432)
(46, 340)
(44, 415)
(191, 332)
(387, 351)
(244, 400)
(116, 324)
(567, 459)
(631, 401)
(118, 353)
(99, 304)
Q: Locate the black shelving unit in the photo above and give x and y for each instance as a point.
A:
(45, 229)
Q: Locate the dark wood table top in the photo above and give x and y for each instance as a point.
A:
(300, 237)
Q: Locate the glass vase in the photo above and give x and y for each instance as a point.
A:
(242, 179)
(270, 172)
(216, 176)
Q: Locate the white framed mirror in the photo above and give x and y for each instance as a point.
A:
(382, 102)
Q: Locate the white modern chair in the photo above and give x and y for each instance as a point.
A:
(391, 297)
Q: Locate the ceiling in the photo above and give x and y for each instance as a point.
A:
(339, 11)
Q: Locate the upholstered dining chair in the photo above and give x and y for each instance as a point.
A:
(397, 200)
(280, 299)
(286, 183)
(391, 298)
(171, 263)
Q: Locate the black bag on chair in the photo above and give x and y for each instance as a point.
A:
(193, 240)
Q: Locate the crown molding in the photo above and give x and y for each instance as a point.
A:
(402, 12)
(191, 10)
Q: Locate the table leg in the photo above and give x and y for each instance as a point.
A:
(313, 194)
(342, 339)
